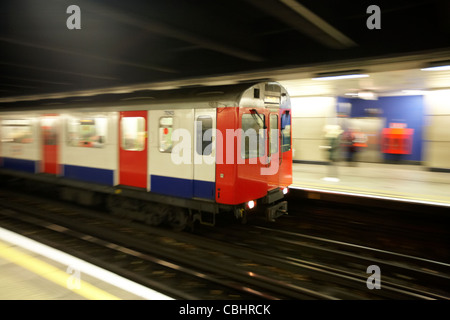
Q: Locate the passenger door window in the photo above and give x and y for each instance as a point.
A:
(133, 133)
(165, 134)
(203, 136)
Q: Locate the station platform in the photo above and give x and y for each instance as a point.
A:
(409, 183)
(33, 271)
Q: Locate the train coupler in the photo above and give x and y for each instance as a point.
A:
(276, 210)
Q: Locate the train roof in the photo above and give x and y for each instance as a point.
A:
(234, 92)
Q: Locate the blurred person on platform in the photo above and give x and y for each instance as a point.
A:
(333, 134)
(348, 141)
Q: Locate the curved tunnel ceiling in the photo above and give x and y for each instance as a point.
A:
(136, 43)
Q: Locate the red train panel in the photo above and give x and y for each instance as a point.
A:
(49, 129)
(133, 148)
(245, 177)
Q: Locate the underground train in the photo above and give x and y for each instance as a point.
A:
(176, 156)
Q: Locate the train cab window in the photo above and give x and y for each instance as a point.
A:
(286, 131)
(87, 132)
(16, 131)
(165, 134)
(273, 133)
(133, 133)
(253, 138)
(203, 136)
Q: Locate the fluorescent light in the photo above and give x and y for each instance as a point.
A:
(437, 68)
(414, 92)
(331, 179)
(344, 76)
(367, 95)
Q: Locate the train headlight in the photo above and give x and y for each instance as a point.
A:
(285, 190)
(251, 204)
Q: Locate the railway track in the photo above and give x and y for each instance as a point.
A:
(157, 258)
(187, 266)
(410, 229)
(412, 276)
(146, 269)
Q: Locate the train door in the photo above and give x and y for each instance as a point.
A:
(252, 160)
(204, 153)
(133, 148)
(50, 137)
(273, 150)
(285, 148)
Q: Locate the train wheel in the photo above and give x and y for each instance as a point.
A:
(155, 214)
(114, 205)
(178, 219)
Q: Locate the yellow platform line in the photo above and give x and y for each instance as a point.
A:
(52, 273)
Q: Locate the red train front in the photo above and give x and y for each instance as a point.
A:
(254, 161)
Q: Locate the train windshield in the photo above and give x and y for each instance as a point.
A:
(258, 119)
(253, 138)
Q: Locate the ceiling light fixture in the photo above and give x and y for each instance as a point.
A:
(364, 94)
(367, 95)
(350, 74)
(414, 92)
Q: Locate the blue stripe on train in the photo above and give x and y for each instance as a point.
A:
(20, 164)
(184, 188)
(88, 174)
(204, 189)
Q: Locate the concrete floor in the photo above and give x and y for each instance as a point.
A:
(410, 182)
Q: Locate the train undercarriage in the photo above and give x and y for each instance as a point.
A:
(136, 204)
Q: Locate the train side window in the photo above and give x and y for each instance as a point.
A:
(133, 133)
(165, 134)
(17, 131)
(253, 138)
(87, 132)
(273, 133)
(204, 137)
(286, 131)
